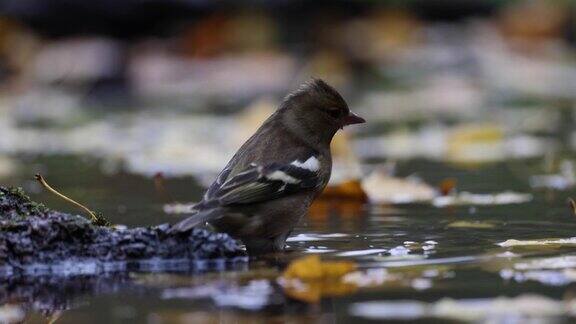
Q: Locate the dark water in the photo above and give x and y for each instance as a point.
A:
(416, 251)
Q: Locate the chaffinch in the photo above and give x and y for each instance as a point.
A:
(271, 181)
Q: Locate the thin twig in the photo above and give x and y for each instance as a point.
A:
(96, 219)
(572, 205)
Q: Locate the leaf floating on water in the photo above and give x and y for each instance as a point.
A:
(468, 224)
(466, 198)
(382, 188)
(476, 144)
(563, 180)
(313, 268)
(560, 241)
(500, 309)
(448, 186)
(309, 278)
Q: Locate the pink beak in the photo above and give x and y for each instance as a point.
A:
(351, 119)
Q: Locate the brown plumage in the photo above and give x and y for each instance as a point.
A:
(269, 184)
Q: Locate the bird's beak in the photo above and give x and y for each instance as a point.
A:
(351, 119)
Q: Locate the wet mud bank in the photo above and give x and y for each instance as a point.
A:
(35, 239)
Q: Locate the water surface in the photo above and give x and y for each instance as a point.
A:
(412, 257)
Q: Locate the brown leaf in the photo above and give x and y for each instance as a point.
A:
(309, 279)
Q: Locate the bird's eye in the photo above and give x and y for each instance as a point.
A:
(334, 113)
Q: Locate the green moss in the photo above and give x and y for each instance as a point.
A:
(15, 201)
(100, 220)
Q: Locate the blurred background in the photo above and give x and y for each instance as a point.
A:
(101, 96)
(129, 106)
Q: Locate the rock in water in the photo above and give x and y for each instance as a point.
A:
(31, 234)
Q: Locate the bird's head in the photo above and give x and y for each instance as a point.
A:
(317, 111)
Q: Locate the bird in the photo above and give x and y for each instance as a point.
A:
(270, 182)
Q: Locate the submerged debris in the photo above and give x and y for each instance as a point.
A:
(31, 234)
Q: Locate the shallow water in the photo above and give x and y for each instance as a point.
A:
(410, 258)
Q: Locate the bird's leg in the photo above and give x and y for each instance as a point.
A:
(259, 246)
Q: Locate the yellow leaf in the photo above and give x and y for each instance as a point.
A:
(312, 268)
(309, 279)
(467, 224)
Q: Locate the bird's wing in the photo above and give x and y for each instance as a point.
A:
(254, 184)
(222, 177)
(266, 182)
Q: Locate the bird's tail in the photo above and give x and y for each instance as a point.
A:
(200, 218)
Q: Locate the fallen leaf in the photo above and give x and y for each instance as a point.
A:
(382, 188)
(476, 143)
(467, 224)
(309, 279)
(563, 180)
(559, 241)
(467, 198)
(501, 309)
(313, 268)
(448, 186)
